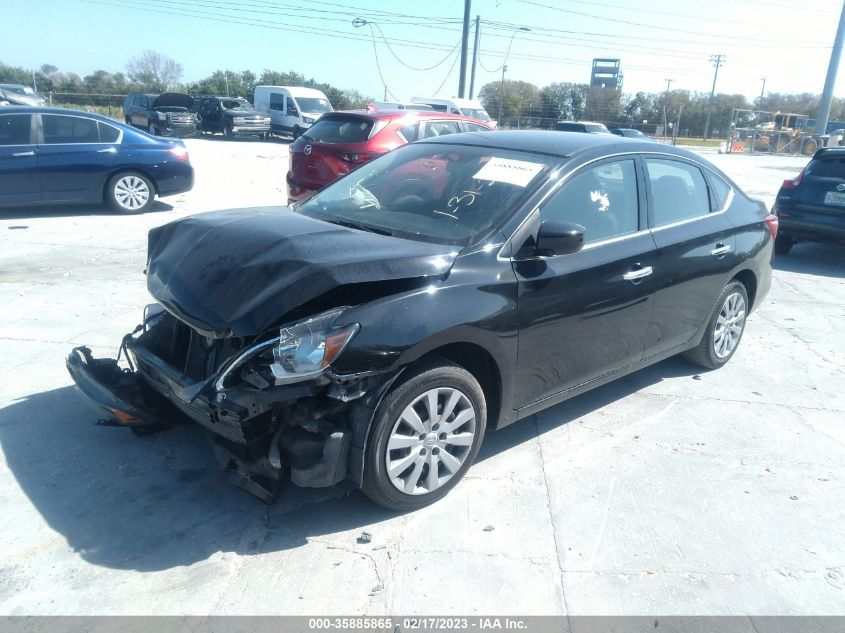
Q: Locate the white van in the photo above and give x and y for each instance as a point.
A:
(292, 109)
(466, 107)
(401, 105)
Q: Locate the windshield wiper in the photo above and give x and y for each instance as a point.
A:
(361, 227)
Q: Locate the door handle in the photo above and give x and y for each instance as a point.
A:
(29, 153)
(721, 250)
(638, 273)
(107, 150)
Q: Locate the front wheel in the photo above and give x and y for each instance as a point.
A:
(297, 132)
(425, 435)
(724, 330)
(227, 131)
(130, 192)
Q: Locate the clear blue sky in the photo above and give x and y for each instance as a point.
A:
(788, 42)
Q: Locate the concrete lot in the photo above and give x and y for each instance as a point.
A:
(667, 492)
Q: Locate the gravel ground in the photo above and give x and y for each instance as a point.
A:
(666, 492)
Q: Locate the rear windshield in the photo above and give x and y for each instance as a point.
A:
(340, 129)
(827, 167)
(476, 113)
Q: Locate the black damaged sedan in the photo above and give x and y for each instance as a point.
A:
(372, 336)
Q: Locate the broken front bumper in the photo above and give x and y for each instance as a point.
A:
(257, 434)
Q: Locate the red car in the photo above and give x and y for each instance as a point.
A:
(341, 141)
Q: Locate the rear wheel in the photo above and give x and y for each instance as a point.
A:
(130, 192)
(724, 330)
(810, 147)
(783, 244)
(425, 436)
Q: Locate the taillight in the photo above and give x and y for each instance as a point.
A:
(356, 159)
(772, 223)
(181, 153)
(793, 183)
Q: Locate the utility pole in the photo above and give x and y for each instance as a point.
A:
(226, 77)
(665, 103)
(462, 81)
(474, 56)
(830, 80)
(34, 87)
(762, 91)
(501, 95)
(717, 60)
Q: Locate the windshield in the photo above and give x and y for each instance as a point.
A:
(476, 113)
(597, 128)
(446, 194)
(236, 104)
(313, 104)
(21, 90)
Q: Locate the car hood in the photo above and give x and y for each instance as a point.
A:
(173, 99)
(238, 272)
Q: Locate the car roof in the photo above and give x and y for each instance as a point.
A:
(68, 111)
(389, 115)
(562, 144)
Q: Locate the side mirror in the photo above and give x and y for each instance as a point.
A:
(558, 237)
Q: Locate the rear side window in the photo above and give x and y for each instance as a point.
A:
(678, 191)
(108, 134)
(439, 128)
(826, 167)
(14, 129)
(569, 127)
(409, 133)
(472, 127)
(340, 130)
(720, 189)
(59, 129)
(277, 102)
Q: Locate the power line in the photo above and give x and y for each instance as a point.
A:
(632, 23)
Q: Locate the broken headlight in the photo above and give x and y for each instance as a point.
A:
(306, 348)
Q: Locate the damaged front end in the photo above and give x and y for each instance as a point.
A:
(271, 405)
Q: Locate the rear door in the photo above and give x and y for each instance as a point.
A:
(696, 250)
(75, 156)
(18, 159)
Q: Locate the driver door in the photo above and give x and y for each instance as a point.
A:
(584, 315)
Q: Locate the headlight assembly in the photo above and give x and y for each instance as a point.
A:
(307, 119)
(303, 350)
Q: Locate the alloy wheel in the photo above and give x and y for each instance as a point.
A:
(729, 325)
(430, 441)
(131, 193)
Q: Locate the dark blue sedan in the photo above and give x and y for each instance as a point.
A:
(58, 156)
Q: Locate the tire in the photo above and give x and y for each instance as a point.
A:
(130, 192)
(452, 385)
(127, 120)
(297, 132)
(151, 129)
(715, 350)
(227, 132)
(783, 244)
(810, 147)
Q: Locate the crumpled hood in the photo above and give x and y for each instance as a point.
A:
(238, 272)
(173, 99)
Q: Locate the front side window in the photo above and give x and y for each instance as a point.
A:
(14, 129)
(473, 127)
(291, 108)
(446, 194)
(59, 129)
(603, 199)
(678, 191)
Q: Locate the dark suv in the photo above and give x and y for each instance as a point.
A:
(232, 116)
(166, 114)
(811, 206)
